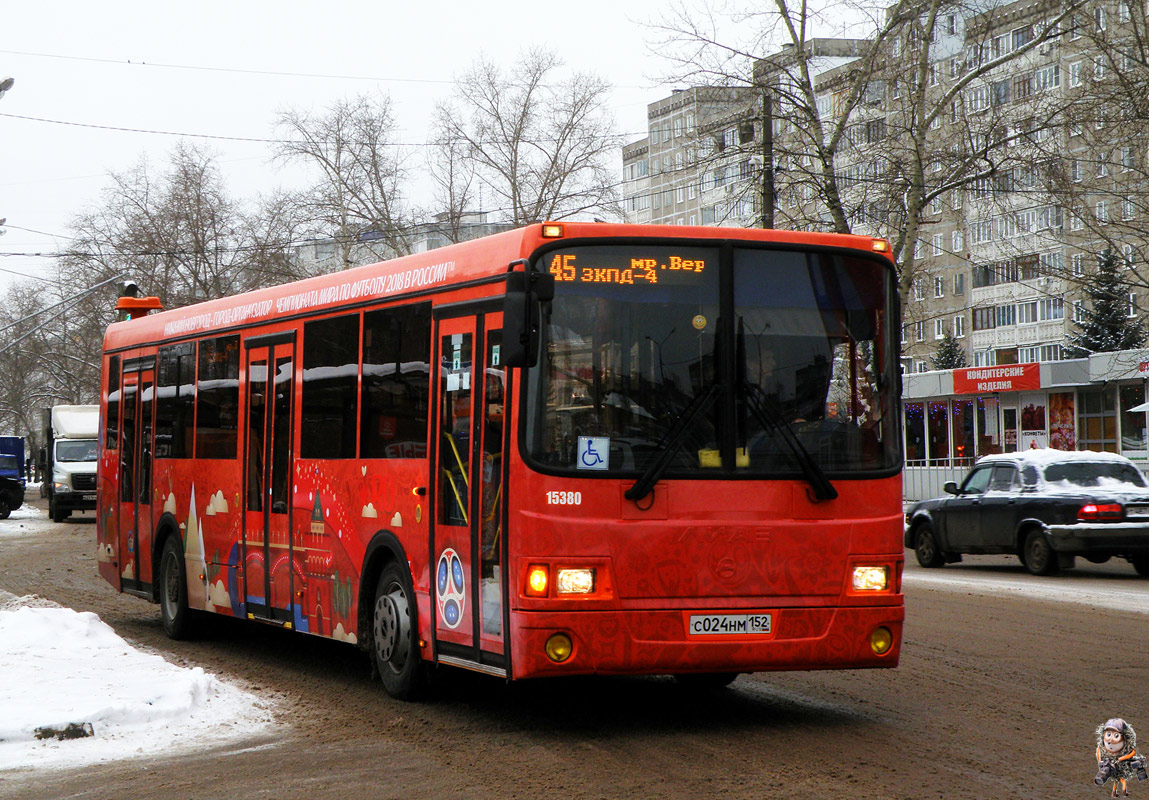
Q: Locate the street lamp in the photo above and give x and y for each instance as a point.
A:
(5, 85)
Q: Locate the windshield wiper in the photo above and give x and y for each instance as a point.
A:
(769, 418)
(671, 442)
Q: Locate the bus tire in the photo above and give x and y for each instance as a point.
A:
(173, 590)
(395, 634)
(55, 512)
(705, 681)
(926, 547)
(5, 509)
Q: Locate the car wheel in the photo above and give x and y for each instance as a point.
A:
(1141, 564)
(926, 547)
(174, 609)
(5, 509)
(1039, 556)
(395, 635)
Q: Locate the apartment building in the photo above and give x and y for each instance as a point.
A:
(693, 167)
(1032, 165)
(1041, 183)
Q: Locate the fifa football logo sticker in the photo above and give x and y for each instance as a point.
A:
(452, 592)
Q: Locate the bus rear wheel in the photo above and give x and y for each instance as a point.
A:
(174, 609)
(395, 635)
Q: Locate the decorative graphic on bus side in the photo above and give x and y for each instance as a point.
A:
(452, 591)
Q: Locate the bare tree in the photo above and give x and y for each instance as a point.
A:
(180, 235)
(543, 149)
(452, 171)
(359, 198)
(871, 132)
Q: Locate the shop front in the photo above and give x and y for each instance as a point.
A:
(954, 417)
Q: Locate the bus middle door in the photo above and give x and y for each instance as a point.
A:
(268, 558)
(135, 517)
(467, 542)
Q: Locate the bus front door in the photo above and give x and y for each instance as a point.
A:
(468, 542)
(268, 563)
(135, 517)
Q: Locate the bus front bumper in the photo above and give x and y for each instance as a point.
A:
(658, 642)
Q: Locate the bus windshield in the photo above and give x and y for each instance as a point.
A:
(753, 360)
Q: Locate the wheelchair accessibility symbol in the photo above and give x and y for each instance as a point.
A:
(593, 452)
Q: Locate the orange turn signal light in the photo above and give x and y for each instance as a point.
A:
(537, 580)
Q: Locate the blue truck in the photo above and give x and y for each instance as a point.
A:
(12, 475)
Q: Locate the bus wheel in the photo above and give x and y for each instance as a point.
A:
(395, 634)
(174, 591)
(55, 512)
(705, 681)
(5, 510)
(926, 547)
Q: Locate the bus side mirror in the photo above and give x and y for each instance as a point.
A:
(526, 291)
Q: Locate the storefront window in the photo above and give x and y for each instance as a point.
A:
(915, 432)
(939, 432)
(1133, 441)
(1062, 435)
(1033, 429)
(1009, 430)
(988, 429)
(1097, 420)
(963, 431)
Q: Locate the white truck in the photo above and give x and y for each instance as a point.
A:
(68, 459)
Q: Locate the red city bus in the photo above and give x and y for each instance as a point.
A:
(568, 449)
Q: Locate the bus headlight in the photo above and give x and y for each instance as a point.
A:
(871, 579)
(574, 581)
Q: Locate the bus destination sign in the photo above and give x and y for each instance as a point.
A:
(624, 268)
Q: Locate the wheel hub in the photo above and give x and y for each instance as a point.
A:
(392, 627)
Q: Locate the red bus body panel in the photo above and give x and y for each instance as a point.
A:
(694, 547)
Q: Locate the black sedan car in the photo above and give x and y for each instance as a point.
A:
(1046, 506)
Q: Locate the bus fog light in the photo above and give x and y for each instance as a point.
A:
(871, 579)
(574, 581)
(559, 647)
(881, 640)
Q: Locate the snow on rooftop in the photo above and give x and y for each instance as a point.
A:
(62, 667)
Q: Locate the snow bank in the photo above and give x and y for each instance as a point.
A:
(60, 666)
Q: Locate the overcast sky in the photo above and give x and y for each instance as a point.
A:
(225, 68)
